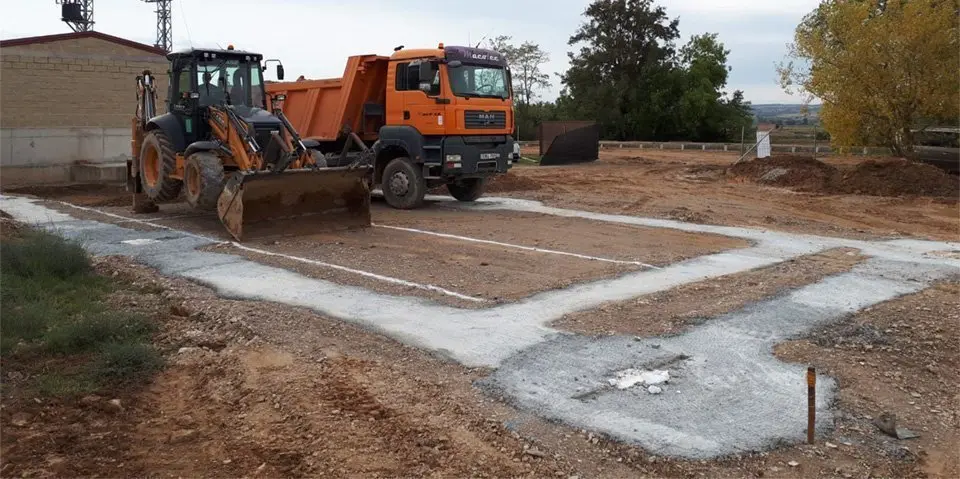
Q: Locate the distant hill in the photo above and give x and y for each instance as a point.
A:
(785, 113)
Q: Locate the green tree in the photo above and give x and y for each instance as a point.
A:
(629, 77)
(526, 66)
(881, 68)
(705, 112)
(622, 75)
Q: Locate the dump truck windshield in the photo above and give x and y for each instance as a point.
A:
(241, 80)
(481, 81)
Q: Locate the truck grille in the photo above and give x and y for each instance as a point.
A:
(485, 119)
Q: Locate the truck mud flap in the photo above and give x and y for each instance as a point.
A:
(295, 202)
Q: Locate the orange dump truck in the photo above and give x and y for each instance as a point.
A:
(438, 116)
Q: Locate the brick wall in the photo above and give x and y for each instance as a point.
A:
(84, 82)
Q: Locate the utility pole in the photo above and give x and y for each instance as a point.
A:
(77, 13)
(164, 28)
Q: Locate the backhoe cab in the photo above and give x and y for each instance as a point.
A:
(219, 148)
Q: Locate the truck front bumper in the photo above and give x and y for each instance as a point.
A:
(477, 157)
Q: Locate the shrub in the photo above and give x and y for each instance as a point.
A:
(127, 362)
(43, 254)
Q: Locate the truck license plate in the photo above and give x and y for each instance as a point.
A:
(489, 156)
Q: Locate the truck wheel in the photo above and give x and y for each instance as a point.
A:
(157, 162)
(467, 189)
(403, 184)
(203, 178)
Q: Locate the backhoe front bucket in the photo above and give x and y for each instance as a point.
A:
(295, 202)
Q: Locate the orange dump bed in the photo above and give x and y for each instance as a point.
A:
(319, 109)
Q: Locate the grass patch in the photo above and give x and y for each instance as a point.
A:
(55, 322)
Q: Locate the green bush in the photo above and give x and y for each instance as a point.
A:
(43, 254)
(86, 334)
(24, 322)
(53, 302)
(127, 362)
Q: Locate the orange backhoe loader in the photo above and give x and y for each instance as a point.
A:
(219, 147)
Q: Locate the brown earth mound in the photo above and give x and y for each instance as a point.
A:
(796, 172)
(894, 177)
(511, 182)
(882, 177)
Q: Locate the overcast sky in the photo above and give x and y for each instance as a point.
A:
(314, 37)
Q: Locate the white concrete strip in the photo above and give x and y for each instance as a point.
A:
(140, 241)
(526, 248)
(127, 219)
(387, 279)
(366, 274)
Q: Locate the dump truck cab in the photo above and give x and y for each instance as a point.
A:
(433, 117)
(449, 111)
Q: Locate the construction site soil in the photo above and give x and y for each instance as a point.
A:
(675, 310)
(263, 389)
(258, 389)
(699, 187)
(875, 177)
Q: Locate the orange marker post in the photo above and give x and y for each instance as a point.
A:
(811, 402)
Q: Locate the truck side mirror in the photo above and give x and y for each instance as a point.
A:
(279, 72)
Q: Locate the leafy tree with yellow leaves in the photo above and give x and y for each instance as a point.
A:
(882, 68)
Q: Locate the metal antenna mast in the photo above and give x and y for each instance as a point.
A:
(77, 13)
(164, 28)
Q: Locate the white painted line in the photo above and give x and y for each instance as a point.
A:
(140, 241)
(387, 279)
(428, 287)
(527, 248)
(142, 222)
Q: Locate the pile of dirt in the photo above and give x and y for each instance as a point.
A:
(511, 182)
(898, 176)
(874, 177)
(796, 172)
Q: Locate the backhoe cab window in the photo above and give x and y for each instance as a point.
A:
(479, 81)
(241, 80)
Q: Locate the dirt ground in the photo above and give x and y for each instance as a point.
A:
(256, 389)
(696, 186)
(264, 390)
(672, 311)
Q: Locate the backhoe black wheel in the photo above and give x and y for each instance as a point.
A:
(157, 162)
(403, 184)
(467, 189)
(203, 178)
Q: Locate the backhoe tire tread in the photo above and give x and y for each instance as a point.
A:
(166, 188)
(211, 178)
